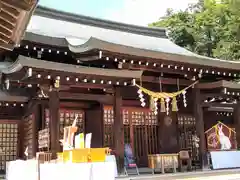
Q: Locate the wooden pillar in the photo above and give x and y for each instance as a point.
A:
(35, 130)
(37, 126)
(21, 139)
(236, 116)
(31, 110)
(198, 114)
(42, 110)
(118, 128)
(54, 122)
(160, 124)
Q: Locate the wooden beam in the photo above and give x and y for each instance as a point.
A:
(20, 4)
(5, 32)
(75, 105)
(215, 104)
(108, 99)
(157, 69)
(10, 9)
(220, 109)
(4, 38)
(5, 46)
(89, 58)
(167, 81)
(219, 84)
(14, 15)
(204, 96)
(45, 83)
(131, 103)
(91, 85)
(6, 25)
(8, 18)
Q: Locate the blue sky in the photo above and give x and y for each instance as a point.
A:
(140, 12)
(97, 8)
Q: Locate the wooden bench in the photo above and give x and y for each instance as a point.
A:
(163, 161)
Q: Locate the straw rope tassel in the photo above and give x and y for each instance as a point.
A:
(163, 107)
(174, 104)
(164, 95)
(152, 106)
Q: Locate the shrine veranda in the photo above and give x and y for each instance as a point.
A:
(127, 84)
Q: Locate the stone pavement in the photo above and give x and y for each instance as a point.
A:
(233, 174)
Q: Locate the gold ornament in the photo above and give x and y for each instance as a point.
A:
(57, 83)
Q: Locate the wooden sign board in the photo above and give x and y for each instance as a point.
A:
(43, 138)
(221, 137)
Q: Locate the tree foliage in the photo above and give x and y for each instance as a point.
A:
(209, 27)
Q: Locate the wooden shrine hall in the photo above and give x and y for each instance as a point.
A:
(94, 68)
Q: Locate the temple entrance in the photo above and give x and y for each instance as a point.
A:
(140, 131)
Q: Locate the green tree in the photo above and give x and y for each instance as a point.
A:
(210, 28)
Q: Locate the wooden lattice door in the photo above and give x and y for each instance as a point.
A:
(145, 132)
(108, 119)
(187, 134)
(66, 118)
(108, 126)
(140, 131)
(8, 142)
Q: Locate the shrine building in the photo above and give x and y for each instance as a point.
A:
(66, 64)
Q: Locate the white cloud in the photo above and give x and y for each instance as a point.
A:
(143, 12)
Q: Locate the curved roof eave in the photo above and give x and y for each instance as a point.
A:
(48, 40)
(94, 43)
(23, 61)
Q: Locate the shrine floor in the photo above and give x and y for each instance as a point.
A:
(233, 174)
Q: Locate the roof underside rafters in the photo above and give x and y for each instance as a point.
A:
(14, 17)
